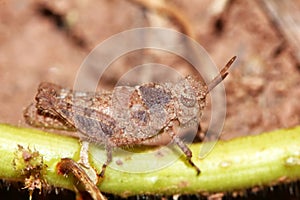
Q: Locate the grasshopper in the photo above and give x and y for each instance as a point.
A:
(126, 115)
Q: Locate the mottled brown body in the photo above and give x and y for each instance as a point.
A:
(126, 115)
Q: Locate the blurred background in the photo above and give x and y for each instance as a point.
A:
(48, 41)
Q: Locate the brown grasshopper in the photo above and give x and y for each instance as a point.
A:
(125, 116)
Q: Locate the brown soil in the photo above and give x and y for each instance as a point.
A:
(49, 41)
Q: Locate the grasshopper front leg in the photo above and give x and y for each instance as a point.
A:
(171, 130)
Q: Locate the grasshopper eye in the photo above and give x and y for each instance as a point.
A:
(188, 97)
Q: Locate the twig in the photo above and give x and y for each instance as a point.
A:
(242, 163)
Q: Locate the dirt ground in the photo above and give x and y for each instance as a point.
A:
(41, 41)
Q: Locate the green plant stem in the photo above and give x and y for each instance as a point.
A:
(238, 164)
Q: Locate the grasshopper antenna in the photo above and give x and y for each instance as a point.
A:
(221, 76)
